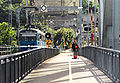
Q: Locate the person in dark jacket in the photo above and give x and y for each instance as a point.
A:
(75, 47)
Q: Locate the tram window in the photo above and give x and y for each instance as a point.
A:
(24, 39)
(28, 38)
(31, 38)
(34, 38)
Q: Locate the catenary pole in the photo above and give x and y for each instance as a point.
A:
(88, 25)
(79, 26)
(95, 22)
(26, 12)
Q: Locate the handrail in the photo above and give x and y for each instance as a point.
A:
(108, 60)
(15, 67)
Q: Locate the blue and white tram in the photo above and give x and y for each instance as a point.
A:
(31, 38)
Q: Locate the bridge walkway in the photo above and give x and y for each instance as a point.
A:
(64, 69)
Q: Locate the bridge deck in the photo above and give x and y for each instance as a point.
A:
(63, 69)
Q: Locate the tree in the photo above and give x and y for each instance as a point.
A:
(6, 36)
(4, 10)
(60, 36)
(85, 6)
(64, 35)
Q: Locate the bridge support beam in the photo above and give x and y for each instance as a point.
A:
(111, 35)
(116, 24)
(107, 25)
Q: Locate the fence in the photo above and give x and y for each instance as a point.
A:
(15, 67)
(107, 60)
(4, 50)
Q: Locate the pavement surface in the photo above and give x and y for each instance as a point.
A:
(64, 69)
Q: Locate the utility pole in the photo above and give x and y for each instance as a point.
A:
(95, 22)
(10, 13)
(18, 22)
(27, 13)
(79, 26)
(91, 26)
(100, 21)
(10, 23)
(88, 26)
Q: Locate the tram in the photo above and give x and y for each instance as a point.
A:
(31, 38)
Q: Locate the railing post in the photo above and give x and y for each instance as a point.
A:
(20, 57)
(5, 70)
(14, 69)
(25, 65)
(110, 64)
(22, 66)
(118, 80)
(114, 66)
(30, 62)
(0, 72)
(117, 68)
(10, 69)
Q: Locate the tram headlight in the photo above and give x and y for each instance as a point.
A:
(28, 46)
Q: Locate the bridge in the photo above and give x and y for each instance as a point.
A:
(50, 66)
(98, 60)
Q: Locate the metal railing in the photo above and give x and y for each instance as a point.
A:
(15, 67)
(107, 60)
(4, 50)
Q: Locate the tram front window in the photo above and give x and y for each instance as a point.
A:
(28, 38)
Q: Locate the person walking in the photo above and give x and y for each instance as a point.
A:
(75, 49)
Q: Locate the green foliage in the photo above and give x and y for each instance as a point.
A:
(51, 31)
(60, 36)
(24, 2)
(39, 21)
(85, 6)
(22, 27)
(6, 36)
(4, 10)
(64, 35)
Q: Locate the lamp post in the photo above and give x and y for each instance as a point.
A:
(88, 25)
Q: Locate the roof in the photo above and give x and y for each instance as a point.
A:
(37, 30)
